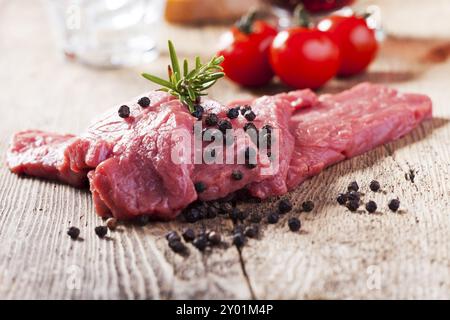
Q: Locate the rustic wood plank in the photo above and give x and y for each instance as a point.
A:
(334, 257)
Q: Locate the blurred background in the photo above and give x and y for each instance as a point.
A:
(76, 58)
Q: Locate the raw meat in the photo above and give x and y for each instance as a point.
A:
(129, 165)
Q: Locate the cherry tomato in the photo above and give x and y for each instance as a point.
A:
(247, 54)
(304, 58)
(356, 41)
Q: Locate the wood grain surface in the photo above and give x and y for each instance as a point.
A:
(338, 254)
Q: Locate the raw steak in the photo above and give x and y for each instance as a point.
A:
(130, 170)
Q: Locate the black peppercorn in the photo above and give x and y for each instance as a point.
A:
(177, 246)
(188, 235)
(352, 205)
(353, 186)
(234, 214)
(172, 235)
(237, 175)
(238, 239)
(211, 119)
(144, 102)
(225, 208)
(233, 113)
(353, 195)
(251, 231)
(200, 242)
(242, 215)
(308, 206)
(342, 198)
(224, 125)
(250, 126)
(371, 206)
(124, 111)
(273, 217)
(250, 115)
(198, 112)
(294, 224)
(199, 187)
(245, 108)
(101, 231)
(284, 206)
(214, 238)
(374, 186)
(73, 232)
(192, 215)
(211, 212)
(394, 204)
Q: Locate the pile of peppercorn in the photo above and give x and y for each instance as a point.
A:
(352, 198)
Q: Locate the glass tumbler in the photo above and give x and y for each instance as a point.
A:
(108, 33)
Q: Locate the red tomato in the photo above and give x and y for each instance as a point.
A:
(304, 58)
(247, 55)
(356, 42)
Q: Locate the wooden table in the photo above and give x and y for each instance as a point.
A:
(337, 255)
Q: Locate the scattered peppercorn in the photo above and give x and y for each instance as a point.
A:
(250, 126)
(144, 102)
(111, 223)
(198, 112)
(353, 195)
(211, 119)
(294, 224)
(200, 242)
(307, 206)
(251, 231)
(238, 239)
(224, 125)
(237, 175)
(353, 186)
(192, 215)
(371, 206)
(284, 206)
(124, 111)
(211, 212)
(394, 204)
(233, 113)
(341, 198)
(101, 231)
(188, 235)
(199, 187)
(173, 235)
(374, 186)
(242, 215)
(177, 246)
(352, 205)
(73, 232)
(273, 217)
(214, 238)
(225, 208)
(234, 214)
(245, 108)
(250, 115)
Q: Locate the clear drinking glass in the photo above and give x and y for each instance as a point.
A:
(108, 33)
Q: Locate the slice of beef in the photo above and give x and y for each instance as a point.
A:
(350, 123)
(41, 154)
(131, 168)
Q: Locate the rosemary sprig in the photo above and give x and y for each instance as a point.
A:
(188, 86)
